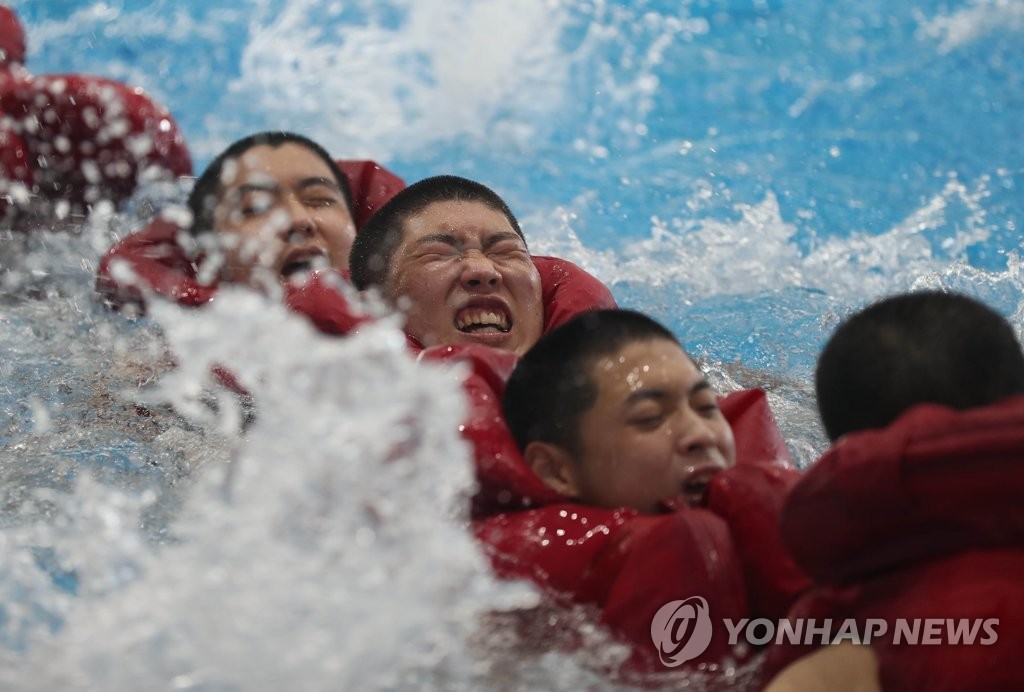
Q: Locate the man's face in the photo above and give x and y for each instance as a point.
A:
(464, 276)
(282, 212)
(655, 435)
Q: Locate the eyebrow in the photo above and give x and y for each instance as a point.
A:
(246, 188)
(318, 180)
(312, 181)
(646, 394)
(500, 237)
(449, 239)
(446, 238)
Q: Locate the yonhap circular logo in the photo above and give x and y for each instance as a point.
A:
(681, 630)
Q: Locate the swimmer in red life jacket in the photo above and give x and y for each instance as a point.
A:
(270, 206)
(278, 205)
(268, 229)
(637, 486)
(637, 425)
(71, 141)
(911, 524)
(450, 253)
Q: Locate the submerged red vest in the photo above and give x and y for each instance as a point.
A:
(622, 564)
(921, 520)
(77, 139)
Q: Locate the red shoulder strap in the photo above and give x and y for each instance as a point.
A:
(372, 186)
(156, 262)
(753, 426)
(568, 290)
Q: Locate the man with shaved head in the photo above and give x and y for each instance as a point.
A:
(450, 254)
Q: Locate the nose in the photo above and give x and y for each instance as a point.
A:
(479, 272)
(694, 434)
(300, 224)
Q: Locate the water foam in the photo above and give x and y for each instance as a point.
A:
(323, 547)
(973, 23)
(407, 76)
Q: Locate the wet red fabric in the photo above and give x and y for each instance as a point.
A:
(568, 290)
(12, 38)
(624, 564)
(372, 186)
(14, 164)
(151, 261)
(89, 138)
(922, 519)
(78, 139)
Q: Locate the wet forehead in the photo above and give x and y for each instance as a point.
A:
(270, 167)
(469, 223)
(654, 364)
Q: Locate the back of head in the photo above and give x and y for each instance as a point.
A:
(380, 237)
(926, 347)
(206, 193)
(552, 385)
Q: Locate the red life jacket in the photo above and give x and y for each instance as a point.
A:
(922, 519)
(15, 166)
(12, 38)
(624, 564)
(75, 138)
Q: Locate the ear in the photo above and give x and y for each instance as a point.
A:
(554, 465)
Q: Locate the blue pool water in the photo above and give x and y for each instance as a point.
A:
(748, 171)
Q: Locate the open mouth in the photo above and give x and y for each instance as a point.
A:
(483, 320)
(695, 488)
(696, 492)
(303, 263)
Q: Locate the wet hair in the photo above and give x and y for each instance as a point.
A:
(913, 348)
(377, 240)
(552, 386)
(207, 191)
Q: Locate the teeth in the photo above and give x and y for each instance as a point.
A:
(482, 318)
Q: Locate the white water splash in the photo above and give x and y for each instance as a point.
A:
(973, 23)
(477, 70)
(759, 252)
(328, 550)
